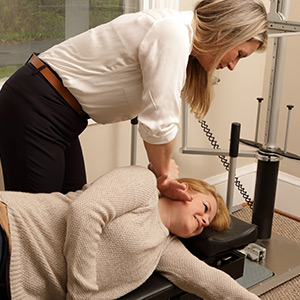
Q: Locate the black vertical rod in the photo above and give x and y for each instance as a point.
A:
(234, 139)
(258, 118)
(233, 153)
(265, 193)
(290, 107)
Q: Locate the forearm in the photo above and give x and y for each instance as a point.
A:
(159, 156)
(160, 162)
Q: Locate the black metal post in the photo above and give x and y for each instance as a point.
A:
(265, 192)
(233, 153)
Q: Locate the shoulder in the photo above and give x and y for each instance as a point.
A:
(135, 172)
(169, 30)
(169, 23)
(163, 14)
(127, 178)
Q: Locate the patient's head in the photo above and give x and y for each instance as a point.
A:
(187, 219)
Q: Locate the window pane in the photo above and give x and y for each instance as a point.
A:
(35, 25)
(104, 11)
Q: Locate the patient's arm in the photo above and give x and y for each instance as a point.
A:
(194, 276)
(112, 195)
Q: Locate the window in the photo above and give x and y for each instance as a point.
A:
(35, 25)
(146, 4)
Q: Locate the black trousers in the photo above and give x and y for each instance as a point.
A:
(39, 146)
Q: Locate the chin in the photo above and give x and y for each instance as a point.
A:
(206, 68)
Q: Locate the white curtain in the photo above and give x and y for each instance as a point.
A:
(131, 6)
(148, 4)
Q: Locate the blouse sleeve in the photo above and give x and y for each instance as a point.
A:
(112, 195)
(194, 276)
(163, 57)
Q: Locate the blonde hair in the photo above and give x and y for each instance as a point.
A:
(220, 26)
(222, 219)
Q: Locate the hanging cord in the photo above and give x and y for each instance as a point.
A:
(226, 163)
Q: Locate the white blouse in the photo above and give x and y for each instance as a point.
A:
(132, 66)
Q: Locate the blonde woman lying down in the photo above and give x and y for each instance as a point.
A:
(107, 239)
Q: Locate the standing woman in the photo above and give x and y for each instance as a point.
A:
(136, 65)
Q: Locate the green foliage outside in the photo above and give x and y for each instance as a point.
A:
(25, 20)
(37, 20)
(28, 20)
(104, 11)
(6, 71)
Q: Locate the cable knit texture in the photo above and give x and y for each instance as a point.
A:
(101, 243)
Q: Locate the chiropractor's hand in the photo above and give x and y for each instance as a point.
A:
(169, 186)
(172, 189)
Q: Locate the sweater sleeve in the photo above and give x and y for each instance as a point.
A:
(114, 194)
(194, 276)
(163, 57)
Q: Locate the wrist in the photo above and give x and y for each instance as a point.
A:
(153, 170)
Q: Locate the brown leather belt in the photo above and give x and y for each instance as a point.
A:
(56, 83)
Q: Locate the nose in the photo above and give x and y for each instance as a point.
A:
(232, 64)
(205, 221)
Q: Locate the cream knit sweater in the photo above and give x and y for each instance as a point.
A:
(101, 243)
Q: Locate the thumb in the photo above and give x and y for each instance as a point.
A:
(161, 181)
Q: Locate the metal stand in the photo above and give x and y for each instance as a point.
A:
(282, 255)
(282, 259)
(268, 156)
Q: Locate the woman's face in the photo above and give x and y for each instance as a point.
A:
(230, 59)
(190, 218)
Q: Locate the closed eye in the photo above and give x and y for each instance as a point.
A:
(205, 207)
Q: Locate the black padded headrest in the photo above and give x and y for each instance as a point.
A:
(211, 242)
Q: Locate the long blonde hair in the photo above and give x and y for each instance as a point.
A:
(222, 218)
(220, 26)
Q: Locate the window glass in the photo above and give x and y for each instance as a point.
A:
(35, 25)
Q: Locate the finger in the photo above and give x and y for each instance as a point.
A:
(183, 186)
(182, 193)
(183, 196)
